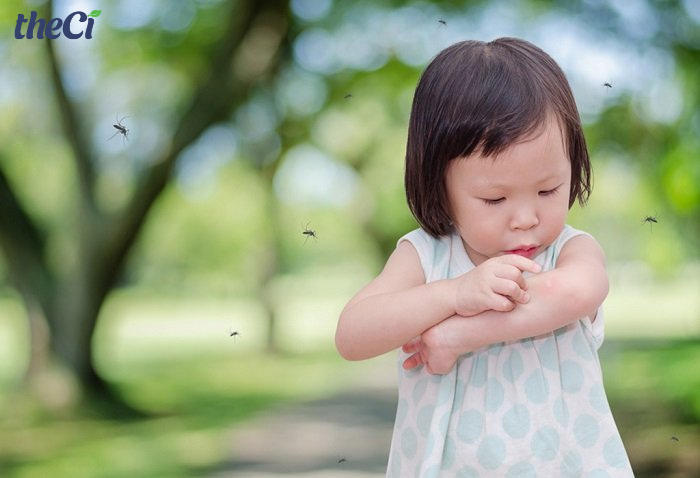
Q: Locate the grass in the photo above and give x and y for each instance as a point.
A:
(653, 388)
(176, 361)
(654, 392)
(192, 406)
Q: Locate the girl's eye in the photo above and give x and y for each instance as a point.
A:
(549, 192)
(493, 202)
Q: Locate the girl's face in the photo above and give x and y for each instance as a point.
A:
(515, 203)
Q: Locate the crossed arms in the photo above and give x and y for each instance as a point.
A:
(439, 321)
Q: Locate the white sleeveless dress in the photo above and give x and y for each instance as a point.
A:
(530, 408)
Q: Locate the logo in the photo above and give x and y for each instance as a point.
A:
(53, 28)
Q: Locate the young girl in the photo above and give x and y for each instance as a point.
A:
(495, 301)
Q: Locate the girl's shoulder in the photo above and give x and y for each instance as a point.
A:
(564, 236)
(435, 253)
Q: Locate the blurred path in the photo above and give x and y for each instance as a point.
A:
(343, 436)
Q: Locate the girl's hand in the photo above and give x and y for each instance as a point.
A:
(433, 349)
(496, 284)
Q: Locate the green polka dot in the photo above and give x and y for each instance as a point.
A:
(548, 354)
(614, 452)
(513, 366)
(545, 443)
(446, 391)
(572, 465)
(598, 473)
(444, 423)
(478, 375)
(494, 395)
(571, 376)
(430, 444)
(491, 452)
(419, 389)
(467, 472)
(561, 412)
(432, 471)
(425, 417)
(470, 426)
(586, 430)
(597, 399)
(401, 411)
(581, 346)
(516, 421)
(409, 443)
(449, 453)
(536, 388)
(522, 470)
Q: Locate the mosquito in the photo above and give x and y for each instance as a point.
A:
(674, 438)
(443, 22)
(651, 220)
(233, 334)
(342, 460)
(349, 95)
(121, 129)
(607, 84)
(309, 233)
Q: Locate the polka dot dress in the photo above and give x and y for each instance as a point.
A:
(530, 408)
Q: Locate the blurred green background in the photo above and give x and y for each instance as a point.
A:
(127, 263)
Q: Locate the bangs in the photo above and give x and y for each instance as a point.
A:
(490, 103)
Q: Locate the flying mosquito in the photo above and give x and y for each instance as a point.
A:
(121, 129)
(342, 460)
(651, 220)
(607, 84)
(234, 334)
(349, 95)
(443, 22)
(309, 233)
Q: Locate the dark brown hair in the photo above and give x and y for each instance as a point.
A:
(484, 97)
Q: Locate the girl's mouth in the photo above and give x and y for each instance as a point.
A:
(528, 252)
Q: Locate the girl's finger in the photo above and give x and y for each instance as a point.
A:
(512, 273)
(412, 346)
(522, 263)
(511, 290)
(501, 303)
(412, 362)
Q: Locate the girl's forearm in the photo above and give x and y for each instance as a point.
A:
(555, 302)
(384, 322)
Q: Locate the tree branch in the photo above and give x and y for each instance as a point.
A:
(211, 102)
(72, 127)
(23, 245)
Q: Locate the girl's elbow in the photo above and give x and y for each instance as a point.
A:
(341, 347)
(343, 343)
(346, 351)
(584, 297)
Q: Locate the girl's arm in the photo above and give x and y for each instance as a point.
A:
(393, 308)
(398, 305)
(573, 290)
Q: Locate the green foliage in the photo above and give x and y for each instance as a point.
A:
(192, 403)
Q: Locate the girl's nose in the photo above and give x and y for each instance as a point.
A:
(524, 218)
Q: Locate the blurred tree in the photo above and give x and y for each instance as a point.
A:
(338, 77)
(252, 45)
